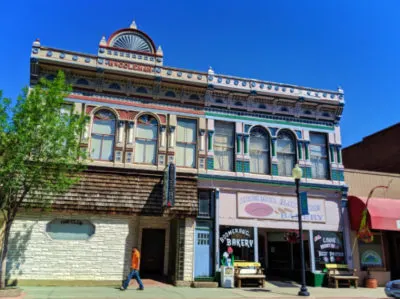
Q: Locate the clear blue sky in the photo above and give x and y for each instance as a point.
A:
(322, 44)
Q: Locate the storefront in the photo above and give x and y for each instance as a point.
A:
(261, 226)
(381, 255)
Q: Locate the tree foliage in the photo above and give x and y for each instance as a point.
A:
(39, 150)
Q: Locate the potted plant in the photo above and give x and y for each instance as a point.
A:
(370, 281)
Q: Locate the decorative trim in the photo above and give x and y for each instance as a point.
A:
(307, 173)
(210, 142)
(337, 175)
(210, 163)
(298, 133)
(269, 182)
(274, 169)
(299, 150)
(331, 149)
(273, 131)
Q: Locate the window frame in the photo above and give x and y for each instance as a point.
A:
(188, 143)
(227, 147)
(326, 158)
(210, 203)
(102, 137)
(294, 154)
(141, 138)
(382, 246)
(268, 151)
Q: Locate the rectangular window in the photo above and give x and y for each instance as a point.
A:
(186, 142)
(371, 254)
(319, 156)
(205, 203)
(224, 146)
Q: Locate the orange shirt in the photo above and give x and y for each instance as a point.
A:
(135, 259)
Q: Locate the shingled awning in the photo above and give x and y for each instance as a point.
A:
(122, 191)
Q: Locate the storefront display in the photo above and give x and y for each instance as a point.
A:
(239, 241)
(329, 248)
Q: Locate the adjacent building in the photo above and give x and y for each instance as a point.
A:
(358, 155)
(233, 141)
(364, 172)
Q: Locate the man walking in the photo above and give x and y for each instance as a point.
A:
(134, 271)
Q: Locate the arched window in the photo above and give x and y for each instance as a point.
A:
(103, 136)
(114, 86)
(82, 81)
(286, 153)
(194, 97)
(170, 94)
(259, 150)
(146, 140)
(141, 89)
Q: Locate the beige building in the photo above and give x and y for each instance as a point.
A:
(380, 257)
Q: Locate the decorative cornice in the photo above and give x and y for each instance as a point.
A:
(129, 63)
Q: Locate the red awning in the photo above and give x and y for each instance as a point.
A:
(383, 213)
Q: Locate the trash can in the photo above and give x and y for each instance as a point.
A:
(227, 277)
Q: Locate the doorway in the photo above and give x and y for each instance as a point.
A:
(153, 249)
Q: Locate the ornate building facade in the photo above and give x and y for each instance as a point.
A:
(234, 142)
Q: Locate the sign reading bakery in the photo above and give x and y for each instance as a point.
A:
(273, 207)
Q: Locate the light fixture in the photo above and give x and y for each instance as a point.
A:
(297, 172)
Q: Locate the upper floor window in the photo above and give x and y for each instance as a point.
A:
(205, 203)
(286, 153)
(224, 146)
(319, 156)
(186, 142)
(259, 150)
(146, 140)
(103, 136)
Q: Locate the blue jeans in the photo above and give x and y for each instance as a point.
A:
(134, 274)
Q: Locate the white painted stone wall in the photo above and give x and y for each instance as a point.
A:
(189, 249)
(34, 255)
(156, 223)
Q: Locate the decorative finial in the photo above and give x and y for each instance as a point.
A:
(133, 25)
(340, 89)
(103, 41)
(36, 43)
(160, 51)
(210, 71)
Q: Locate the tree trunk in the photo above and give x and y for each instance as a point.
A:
(4, 253)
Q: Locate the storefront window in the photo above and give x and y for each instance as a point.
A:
(371, 254)
(329, 249)
(241, 239)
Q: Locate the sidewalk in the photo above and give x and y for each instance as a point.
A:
(170, 292)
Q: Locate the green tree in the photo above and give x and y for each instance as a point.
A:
(39, 151)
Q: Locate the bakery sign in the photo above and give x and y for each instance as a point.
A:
(273, 207)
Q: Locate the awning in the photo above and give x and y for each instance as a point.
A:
(383, 213)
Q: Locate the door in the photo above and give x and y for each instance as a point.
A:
(203, 250)
(153, 249)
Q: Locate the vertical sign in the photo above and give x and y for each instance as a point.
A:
(303, 203)
(169, 185)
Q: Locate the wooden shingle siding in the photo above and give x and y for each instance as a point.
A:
(127, 192)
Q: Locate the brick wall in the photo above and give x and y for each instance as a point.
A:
(378, 152)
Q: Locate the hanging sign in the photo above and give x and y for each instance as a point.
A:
(169, 185)
(274, 207)
(303, 203)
